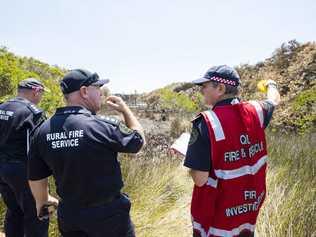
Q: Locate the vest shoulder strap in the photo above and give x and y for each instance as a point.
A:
(211, 117)
(259, 111)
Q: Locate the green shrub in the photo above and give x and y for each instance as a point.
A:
(14, 69)
(177, 101)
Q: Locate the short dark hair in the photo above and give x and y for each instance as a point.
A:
(229, 90)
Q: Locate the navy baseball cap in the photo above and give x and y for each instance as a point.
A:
(222, 74)
(77, 78)
(31, 83)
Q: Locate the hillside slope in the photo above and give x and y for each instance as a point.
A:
(292, 66)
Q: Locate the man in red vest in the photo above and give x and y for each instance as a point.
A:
(227, 156)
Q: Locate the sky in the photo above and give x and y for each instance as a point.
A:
(142, 45)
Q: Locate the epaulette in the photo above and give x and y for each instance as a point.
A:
(34, 109)
(196, 117)
(110, 120)
(29, 105)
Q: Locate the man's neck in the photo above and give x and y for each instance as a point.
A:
(25, 97)
(225, 99)
(80, 104)
(77, 104)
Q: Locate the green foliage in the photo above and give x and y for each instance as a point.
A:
(305, 99)
(177, 101)
(9, 73)
(293, 67)
(14, 69)
(304, 107)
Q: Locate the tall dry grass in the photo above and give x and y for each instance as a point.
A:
(160, 193)
(290, 209)
(160, 190)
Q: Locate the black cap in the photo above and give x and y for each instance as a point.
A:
(222, 74)
(77, 78)
(31, 83)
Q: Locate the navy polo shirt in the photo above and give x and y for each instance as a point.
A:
(80, 150)
(16, 117)
(199, 149)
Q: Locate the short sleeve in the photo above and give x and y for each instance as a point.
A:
(32, 121)
(37, 168)
(119, 137)
(268, 108)
(199, 149)
(38, 120)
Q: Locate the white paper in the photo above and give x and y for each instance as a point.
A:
(181, 144)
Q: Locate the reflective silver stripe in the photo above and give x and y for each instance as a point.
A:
(259, 110)
(216, 125)
(222, 232)
(244, 170)
(212, 182)
(198, 227)
(231, 233)
(27, 141)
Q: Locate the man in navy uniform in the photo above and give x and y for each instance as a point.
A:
(80, 150)
(214, 133)
(18, 117)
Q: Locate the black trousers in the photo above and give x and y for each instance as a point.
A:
(21, 218)
(110, 220)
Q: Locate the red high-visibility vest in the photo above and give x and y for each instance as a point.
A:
(228, 204)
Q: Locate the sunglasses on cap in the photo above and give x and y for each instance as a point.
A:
(90, 80)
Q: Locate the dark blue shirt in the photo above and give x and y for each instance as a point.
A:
(199, 149)
(80, 150)
(18, 117)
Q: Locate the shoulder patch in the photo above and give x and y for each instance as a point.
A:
(110, 120)
(194, 135)
(124, 129)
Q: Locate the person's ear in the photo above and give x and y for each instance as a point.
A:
(84, 92)
(34, 93)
